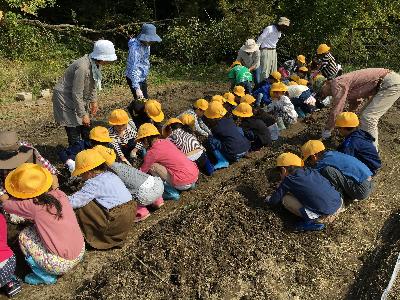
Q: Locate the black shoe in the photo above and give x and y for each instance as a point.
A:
(13, 287)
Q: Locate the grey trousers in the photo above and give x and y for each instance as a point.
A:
(346, 186)
(268, 63)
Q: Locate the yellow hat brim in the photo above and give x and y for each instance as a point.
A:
(242, 115)
(80, 171)
(20, 195)
(231, 102)
(158, 118)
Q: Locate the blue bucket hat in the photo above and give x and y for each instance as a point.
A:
(148, 34)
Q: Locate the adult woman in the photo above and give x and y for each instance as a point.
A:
(249, 56)
(75, 93)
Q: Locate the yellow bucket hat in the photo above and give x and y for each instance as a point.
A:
(172, 121)
(235, 63)
(295, 77)
(293, 83)
(118, 117)
(215, 110)
(201, 104)
(107, 153)
(153, 110)
(218, 98)
(249, 99)
(239, 91)
(347, 119)
(87, 160)
(312, 147)
(301, 58)
(145, 130)
(288, 159)
(187, 119)
(100, 134)
(303, 69)
(302, 82)
(323, 48)
(279, 87)
(230, 98)
(276, 75)
(243, 110)
(28, 181)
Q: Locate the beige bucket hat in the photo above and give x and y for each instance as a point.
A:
(250, 46)
(284, 21)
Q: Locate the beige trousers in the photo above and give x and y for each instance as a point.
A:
(387, 95)
(268, 62)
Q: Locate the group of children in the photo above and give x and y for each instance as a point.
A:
(135, 164)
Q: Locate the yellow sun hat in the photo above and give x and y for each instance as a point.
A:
(107, 153)
(279, 87)
(293, 83)
(172, 121)
(289, 159)
(201, 104)
(323, 48)
(187, 119)
(215, 110)
(303, 69)
(276, 75)
(235, 63)
(294, 77)
(28, 181)
(347, 119)
(87, 160)
(100, 134)
(249, 99)
(118, 117)
(243, 110)
(239, 91)
(312, 147)
(301, 58)
(218, 98)
(153, 109)
(302, 82)
(146, 130)
(230, 98)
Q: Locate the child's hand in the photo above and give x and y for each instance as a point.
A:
(124, 160)
(4, 197)
(267, 199)
(133, 153)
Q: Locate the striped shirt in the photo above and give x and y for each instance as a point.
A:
(329, 68)
(199, 126)
(129, 134)
(184, 141)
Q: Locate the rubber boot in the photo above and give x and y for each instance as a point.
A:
(221, 160)
(208, 168)
(142, 213)
(158, 203)
(309, 225)
(39, 276)
(170, 193)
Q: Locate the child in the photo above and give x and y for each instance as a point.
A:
(293, 65)
(357, 142)
(239, 92)
(305, 193)
(54, 245)
(146, 111)
(327, 64)
(302, 99)
(188, 122)
(262, 91)
(145, 189)
(165, 160)
(199, 107)
(228, 142)
(249, 99)
(103, 206)
(303, 73)
(230, 102)
(281, 105)
(188, 144)
(97, 136)
(347, 174)
(8, 281)
(123, 134)
(240, 75)
(255, 130)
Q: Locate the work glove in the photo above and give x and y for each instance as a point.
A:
(71, 165)
(326, 134)
(267, 199)
(139, 93)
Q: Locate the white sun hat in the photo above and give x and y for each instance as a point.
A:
(104, 50)
(250, 46)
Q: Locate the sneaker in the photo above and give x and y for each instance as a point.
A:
(12, 287)
(308, 226)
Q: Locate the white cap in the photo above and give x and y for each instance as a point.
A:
(104, 50)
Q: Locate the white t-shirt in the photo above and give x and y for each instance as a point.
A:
(269, 37)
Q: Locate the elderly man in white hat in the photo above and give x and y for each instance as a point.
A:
(268, 41)
(75, 94)
(249, 56)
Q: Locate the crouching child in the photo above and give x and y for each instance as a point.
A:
(305, 193)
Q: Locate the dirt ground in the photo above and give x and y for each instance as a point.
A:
(221, 241)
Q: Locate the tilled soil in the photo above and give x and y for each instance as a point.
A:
(221, 241)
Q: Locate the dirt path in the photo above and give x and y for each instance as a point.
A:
(221, 242)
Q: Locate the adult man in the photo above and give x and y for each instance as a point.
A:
(380, 86)
(138, 66)
(267, 41)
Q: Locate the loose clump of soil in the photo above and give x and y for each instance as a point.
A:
(221, 241)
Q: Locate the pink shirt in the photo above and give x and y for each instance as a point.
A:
(182, 170)
(62, 237)
(5, 251)
(353, 86)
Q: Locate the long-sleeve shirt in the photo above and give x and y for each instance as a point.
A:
(353, 86)
(185, 141)
(138, 64)
(106, 188)
(62, 236)
(5, 251)
(283, 105)
(328, 67)
(269, 37)
(264, 89)
(249, 59)
(239, 74)
(360, 145)
(181, 170)
(199, 125)
(256, 131)
(128, 139)
(312, 190)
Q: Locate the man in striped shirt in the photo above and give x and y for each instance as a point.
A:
(328, 66)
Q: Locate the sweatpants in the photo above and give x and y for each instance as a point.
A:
(268, 63)
(346, 186)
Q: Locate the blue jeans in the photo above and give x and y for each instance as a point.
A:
(256, 76)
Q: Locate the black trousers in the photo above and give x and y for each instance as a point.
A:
(77, 133)
(143, 87)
